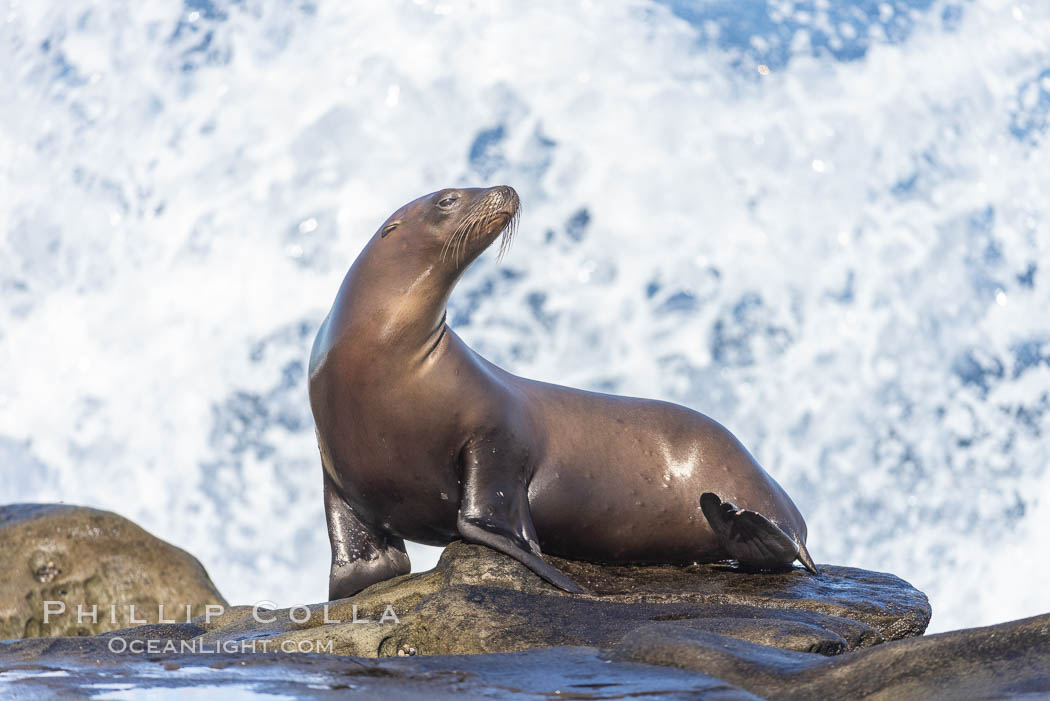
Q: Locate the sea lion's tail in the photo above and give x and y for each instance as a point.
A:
(752, 539)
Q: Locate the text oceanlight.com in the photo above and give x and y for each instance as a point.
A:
(118, 645)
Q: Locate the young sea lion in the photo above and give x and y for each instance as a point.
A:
(423, 439)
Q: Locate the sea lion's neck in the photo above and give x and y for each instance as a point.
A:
(400, 302)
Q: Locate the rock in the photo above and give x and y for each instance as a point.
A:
(85, 667)
(479, 601)
(666, 661)
(706, 632)
(80, 556)
(1009, 660)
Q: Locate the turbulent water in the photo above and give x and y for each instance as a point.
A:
(822, 223)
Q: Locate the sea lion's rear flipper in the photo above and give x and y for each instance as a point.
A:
(494, 510)
(752, 539)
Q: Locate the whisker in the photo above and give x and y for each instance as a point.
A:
(461, 240)
(508, 234)
(456, 238)
(448, 244)
(470, 235)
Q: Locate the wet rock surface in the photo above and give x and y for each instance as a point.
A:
(80, 556)
(1005, 661)
(673, 661)
(78, 668)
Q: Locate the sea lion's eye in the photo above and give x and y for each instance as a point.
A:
(448, 201)
(388, 228)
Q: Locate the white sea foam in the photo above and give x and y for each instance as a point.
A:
(823, 228)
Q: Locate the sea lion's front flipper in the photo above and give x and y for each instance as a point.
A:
(494, 510)
(752, 539)
(361, 556)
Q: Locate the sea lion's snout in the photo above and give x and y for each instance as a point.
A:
(504, 199)
(496, 208)
(501, 206)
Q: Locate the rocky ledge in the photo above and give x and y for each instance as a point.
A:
(479, 601)
(483, 625)
(1008, 661)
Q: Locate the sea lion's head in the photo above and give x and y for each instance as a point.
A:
(456, 224)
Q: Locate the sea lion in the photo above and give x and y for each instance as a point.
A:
(423, 439)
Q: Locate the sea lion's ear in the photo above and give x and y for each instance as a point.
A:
(388, 228)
